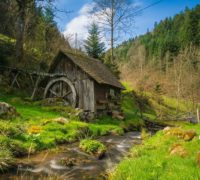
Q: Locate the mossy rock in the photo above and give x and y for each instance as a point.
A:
(7, 111)
(180, 133)
(178, 150)
(6, 159)
(52, 102)
(93, 147)
(70, 162)
(18, 149)
(8, 130)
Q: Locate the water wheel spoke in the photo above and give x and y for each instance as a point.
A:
(66, 94)
(54, 93)
(62, 88)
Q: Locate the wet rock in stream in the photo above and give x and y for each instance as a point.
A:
(72, 161)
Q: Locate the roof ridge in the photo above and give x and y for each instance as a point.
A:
(93, 67)
(79, 54)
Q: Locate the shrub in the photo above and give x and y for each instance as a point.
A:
(18, 148)
(10, 130)
(7, 129)
(93, 147)
(145, 134)
(72, 136)
(6, 159)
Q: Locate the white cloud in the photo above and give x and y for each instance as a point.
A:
(79, 25)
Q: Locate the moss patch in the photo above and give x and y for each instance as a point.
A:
(93, 147)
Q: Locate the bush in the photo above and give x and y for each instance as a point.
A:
(6, 159)
(18, 148)
(10, 130)
(145, 134)
(93, 147)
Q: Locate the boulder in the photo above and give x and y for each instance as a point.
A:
(179, 150)
(7, 111)
(61, 120)
(52, 102)
(186, 135)
(117, 115)
(86, 116)
(70, 162)
(166, 129)
(189, 135)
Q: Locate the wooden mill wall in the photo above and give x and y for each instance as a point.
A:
(104, 101)
(84, 85)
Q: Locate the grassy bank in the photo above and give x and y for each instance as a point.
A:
(43, 127)
(163, 156)
(154, 159)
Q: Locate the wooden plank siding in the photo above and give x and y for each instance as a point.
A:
(84, 85)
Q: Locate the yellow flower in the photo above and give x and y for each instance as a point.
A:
(34, 130)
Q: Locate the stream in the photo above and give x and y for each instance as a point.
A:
(52, 164)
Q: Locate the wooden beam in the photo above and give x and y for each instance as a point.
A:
(35, 88)
(54, 93)
(31, 79)
(66, 94)
(15, 80)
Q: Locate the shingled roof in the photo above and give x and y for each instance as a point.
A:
(93, 67)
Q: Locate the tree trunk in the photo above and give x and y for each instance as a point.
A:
(20, 30)
(198, 118)
(112, 33)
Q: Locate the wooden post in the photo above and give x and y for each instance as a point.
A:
(15, 80)
(198, 118)
(35, 88)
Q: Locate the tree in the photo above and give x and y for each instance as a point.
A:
(115, 16)
(93, 45)
(21, 20)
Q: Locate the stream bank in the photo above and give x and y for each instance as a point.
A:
(70, 163)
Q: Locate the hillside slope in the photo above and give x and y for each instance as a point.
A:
(167, 59)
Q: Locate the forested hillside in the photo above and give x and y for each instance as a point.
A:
(28, 33)
(166, 60)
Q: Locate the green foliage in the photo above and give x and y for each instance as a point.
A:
(7, 39)
(92, 146)
(6, 158)
(41, 37)
(121, 51)
(93, 45)
(6, 49)
(168, 38)
(7, 129)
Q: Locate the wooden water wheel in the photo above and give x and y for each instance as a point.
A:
(61, 88)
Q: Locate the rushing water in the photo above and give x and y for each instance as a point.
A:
(49, 164)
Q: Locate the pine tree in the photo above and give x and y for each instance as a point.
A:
(93, 45)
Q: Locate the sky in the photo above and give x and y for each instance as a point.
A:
(77, 21)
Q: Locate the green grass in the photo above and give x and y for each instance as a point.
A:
(152, 159)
